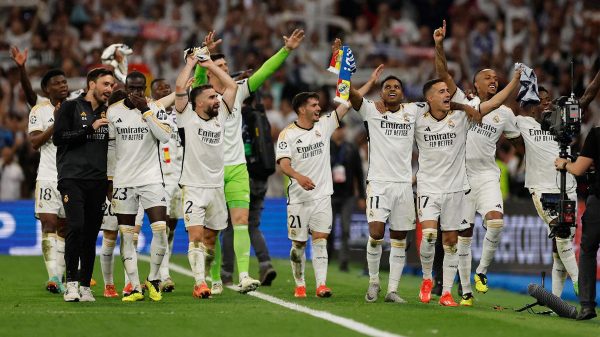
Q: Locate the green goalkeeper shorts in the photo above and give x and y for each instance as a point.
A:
(237, 186)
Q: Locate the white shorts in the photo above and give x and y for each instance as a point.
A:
(204, 207)
(174, 207)
(314, 216)
(109, 221)
(47, 199)
(393, 202)
(485, 196)
(445, 208)
(126, 200)
(536, 196)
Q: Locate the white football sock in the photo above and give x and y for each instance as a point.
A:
(566, 252)
(320, 260)
(298, 260)
(490, 244)
(164, 267)
(374, 258)
(397, 261)
(60, 257)
(450, 265)
(559, 275)
(158, 248)
(427, 251)
(107, 259)
(196, 258)
(129, 256)
(49, 253)
(464, 263)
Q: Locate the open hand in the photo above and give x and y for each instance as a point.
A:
(19, 57)
(139, 102)
(293, 41)
(209, 41)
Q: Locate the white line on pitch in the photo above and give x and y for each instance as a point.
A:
(339, 320)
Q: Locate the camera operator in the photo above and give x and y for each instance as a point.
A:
(541, 177)
(590, 237)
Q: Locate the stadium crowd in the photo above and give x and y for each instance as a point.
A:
(72, 34)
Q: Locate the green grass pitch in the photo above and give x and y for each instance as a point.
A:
(27, 309)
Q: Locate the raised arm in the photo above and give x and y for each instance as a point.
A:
(498, 99)
(169, 100)
(373, 79)
(181, 94)
(20, 58)
(441, 66)
(356, 98)
(274, 62)
(590, 92)
(230, 87)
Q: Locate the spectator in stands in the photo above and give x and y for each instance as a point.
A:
(11, 176)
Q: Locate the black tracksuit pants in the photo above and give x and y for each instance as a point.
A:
(83, 201)
(590, 239)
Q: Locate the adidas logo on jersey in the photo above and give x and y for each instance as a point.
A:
(163, 199)
(464, 222)
(119, 121)
(299, 141)
(499, 206)
(427, 129)
(385, 117)
(51, 120)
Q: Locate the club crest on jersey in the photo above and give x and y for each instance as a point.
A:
(161, 115)
(83, 116)
(406, 119)
(103, 114)
(317, 133)
(66, 198)
(451, 123)
(282, 145)
(497, 119)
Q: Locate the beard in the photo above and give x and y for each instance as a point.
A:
(212, 111)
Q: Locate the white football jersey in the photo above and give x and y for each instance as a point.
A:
(203, 148)
(171, 153)
(540, 152)
(41, 118)
(137, 161)
(482, 139)
(234, 145)
(308, 151)
(441, 146)
(391, 137)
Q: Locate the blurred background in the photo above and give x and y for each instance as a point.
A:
(481, 33)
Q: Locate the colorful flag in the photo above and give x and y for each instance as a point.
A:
(347, 68)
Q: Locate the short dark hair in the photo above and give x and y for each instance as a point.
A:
(430, 84)
(156, 80)
(49, 75)
(135, 74)
(217, 56)
(540, 89)
(477, 73)
(301, 99)
(197, 91)
(392, 77)
(116, 96)
(96, 73)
